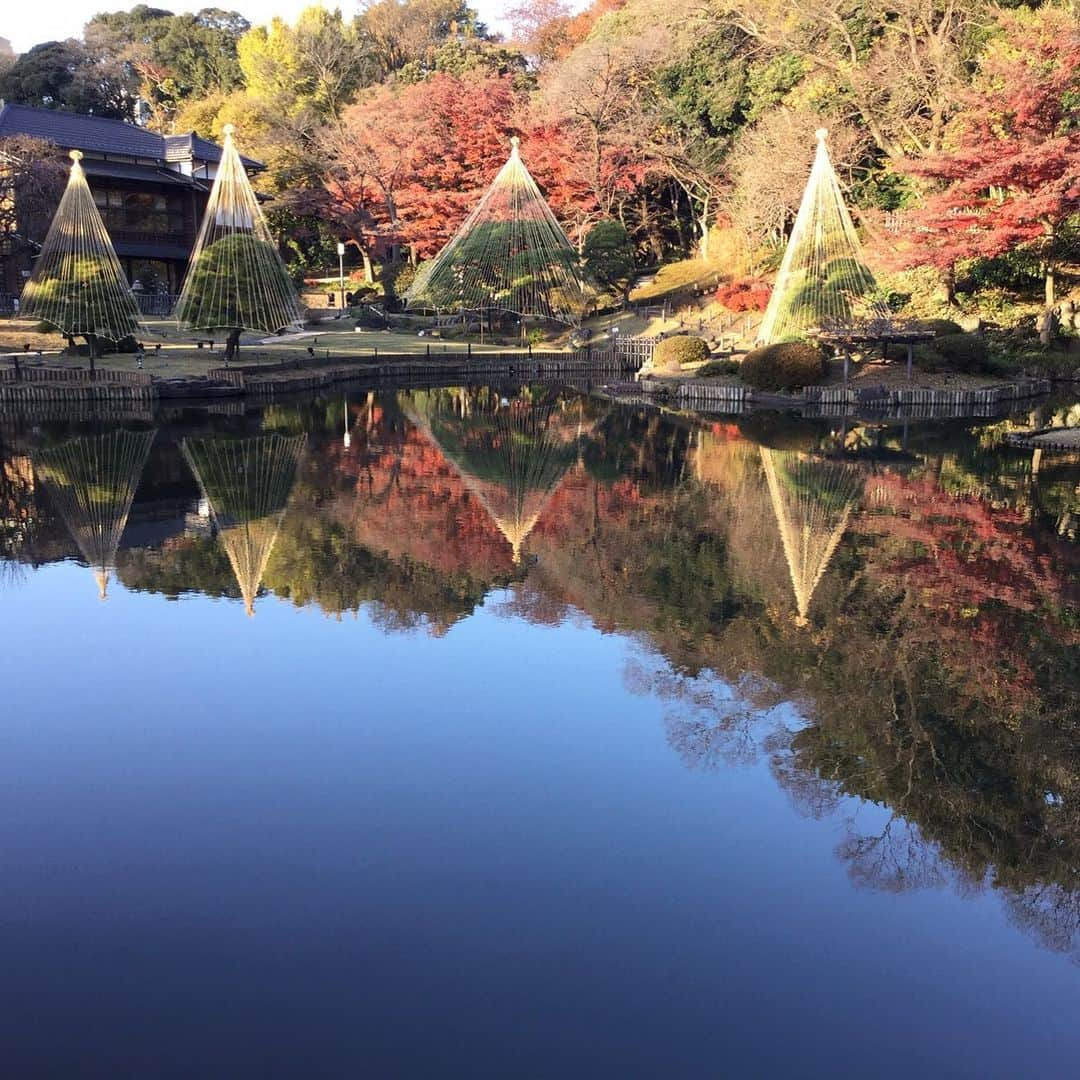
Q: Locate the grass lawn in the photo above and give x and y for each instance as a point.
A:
(180, 355)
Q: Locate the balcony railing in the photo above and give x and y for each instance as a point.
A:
(158, 304)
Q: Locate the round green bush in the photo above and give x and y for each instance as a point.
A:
(786, 365)
(954, 352)
(718, 367)
(673, 352)
(940, 327)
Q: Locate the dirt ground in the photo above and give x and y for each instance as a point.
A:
(894, 373)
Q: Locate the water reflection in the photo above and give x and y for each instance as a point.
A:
(246, 483)
(511, 453)
(92, 481)
(812, 499)
(912, 594)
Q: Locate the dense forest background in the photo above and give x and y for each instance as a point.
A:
(953, 123)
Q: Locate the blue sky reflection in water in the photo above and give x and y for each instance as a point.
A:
(437, 811)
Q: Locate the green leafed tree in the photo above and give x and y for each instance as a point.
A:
(608, 255)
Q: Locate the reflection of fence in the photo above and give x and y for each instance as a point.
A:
(159, 304)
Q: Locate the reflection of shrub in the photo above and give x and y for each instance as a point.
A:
(955, 352)
(681, 349)
(744, 294)
(783, 366)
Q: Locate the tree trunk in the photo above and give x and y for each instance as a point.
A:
(1050, 284)
(948, 284)
(1048, 326)
(94, 348)
(703, 225)
(369, 274)
(232, 344)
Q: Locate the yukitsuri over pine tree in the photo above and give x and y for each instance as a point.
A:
(823, 282)
(247, 483)
(509, 255)
(78, 285)
(236, 279)
(92, 481)
(812, 499)
(511, 455)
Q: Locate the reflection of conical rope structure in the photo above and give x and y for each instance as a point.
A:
(92, 481)
(236, 278)
(247, 483)
(510, 254)
(511, 459)
(822, 282)
(78, 285)
(813, 500)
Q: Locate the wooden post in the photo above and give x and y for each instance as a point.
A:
(910, 359)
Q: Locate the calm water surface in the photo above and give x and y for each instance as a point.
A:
(512, 733)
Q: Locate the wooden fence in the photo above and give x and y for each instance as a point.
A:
(291, 376)
(22, 372)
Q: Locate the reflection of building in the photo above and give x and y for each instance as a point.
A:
(151, 190)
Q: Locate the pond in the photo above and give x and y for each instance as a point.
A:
(511, 732)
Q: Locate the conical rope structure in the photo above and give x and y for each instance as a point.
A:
(236, 279)
(92, 481)
(511, 459)
(812, 499)
(823, 283)
(510, 255)
(247, 483)
(78, 285)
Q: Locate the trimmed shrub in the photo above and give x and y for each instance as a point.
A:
(787, 365)
(673, 352)
(940, 327)
(954, 352)
(719, 367)
(744, 294)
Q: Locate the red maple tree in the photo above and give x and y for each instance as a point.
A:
(1011, 177)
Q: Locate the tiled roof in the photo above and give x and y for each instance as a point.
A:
(106, 136)
(146, 173)
(72, 130)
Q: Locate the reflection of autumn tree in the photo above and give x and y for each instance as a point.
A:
(896, 858)
(709, 722)
(181, 565)
(939, 676)
(936, 679)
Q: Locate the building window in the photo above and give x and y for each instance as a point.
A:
(141, 211)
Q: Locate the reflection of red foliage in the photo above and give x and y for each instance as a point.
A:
(409, 501)
(726, 432)
(976, 569)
